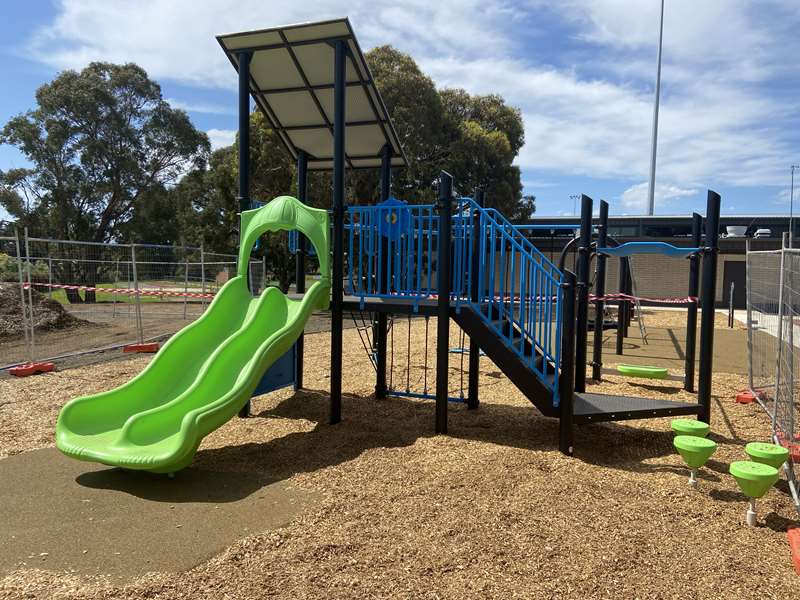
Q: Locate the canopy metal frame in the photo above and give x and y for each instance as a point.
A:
(299, 54)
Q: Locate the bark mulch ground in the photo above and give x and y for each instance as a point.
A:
(490, 511)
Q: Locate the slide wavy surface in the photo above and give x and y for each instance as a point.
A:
(207, 371)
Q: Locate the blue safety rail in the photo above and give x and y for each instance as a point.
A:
(391, 252)
(631, 248)
(516, 284)
(386, 261)
(539, 226)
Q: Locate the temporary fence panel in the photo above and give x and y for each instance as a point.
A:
(763, 298)
(784, 418)
(15, 342)
(773, 313)
(84, 297)
(169, 298)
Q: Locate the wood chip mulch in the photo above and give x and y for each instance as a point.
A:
(491, 510)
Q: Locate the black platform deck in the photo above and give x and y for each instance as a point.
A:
(594, 408)
(399, 305)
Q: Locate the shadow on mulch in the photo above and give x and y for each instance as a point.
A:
(397, 422)
(728, 496)
(189, 485)
(661, 389)
(778, 523)
(232, 472)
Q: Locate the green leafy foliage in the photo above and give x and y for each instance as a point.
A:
(103, 143)
(114, 161)
(9, 268)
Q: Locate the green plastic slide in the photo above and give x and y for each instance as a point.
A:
(205, 373)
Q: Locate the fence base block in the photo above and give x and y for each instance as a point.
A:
(144, 348)
(31, 369)
(793, 536)
(745, 397)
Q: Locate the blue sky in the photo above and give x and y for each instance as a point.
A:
(581, 71)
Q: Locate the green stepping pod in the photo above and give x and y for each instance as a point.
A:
(206, 372)
(690, 427)
(753, 478)
(769, 454)
(694, 451)
(642, 371)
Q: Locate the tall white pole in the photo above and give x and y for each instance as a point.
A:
(791, 207)
(651, 191)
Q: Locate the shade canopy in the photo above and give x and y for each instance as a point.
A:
(292, 81)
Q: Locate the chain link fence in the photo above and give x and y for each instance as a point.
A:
(773, 316)
(63, 299)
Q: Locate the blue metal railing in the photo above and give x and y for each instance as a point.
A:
(519, 292)
(391, 253)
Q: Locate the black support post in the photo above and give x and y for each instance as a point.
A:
(691, 314)
(474, 350)
(244, 152)
(443, 301)
(244, 130)
(386, 172)
(707, 300)
(300, 263)
(629, 306)
(622, 305)
(600, 291)
(340, 59)
(566, 381)
(582, 286)
(382, 320)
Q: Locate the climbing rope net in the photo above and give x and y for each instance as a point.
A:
(411, 355)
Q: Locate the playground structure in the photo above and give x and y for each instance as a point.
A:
(455, 260)
(507, 297)
(488, 511)
(605, 247)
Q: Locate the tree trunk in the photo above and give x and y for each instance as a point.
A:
(70, 277)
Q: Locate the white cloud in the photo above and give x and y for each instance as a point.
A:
(220, 138)
(782, 198)
(586, 114)
(538, 184)
(635, 197)
(201, 107)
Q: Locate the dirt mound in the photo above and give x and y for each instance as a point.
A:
(48, 315)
